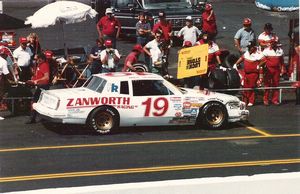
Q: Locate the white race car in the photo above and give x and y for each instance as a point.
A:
(107, 101)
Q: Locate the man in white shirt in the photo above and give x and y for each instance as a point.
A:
(152, 49)
(189, 32)
(22, 56)
(110, 57)
(3, 79)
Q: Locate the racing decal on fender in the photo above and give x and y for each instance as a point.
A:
(187, 105)
(94, 101)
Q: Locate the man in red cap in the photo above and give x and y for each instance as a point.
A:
(22, 57)
(273, 60)
(110, 58)
(53, 66)
(209, 21)
(252, 59)
(109, 27)
(132, 58)
(244, 36)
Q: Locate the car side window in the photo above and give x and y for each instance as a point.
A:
(124, 87)
(149, 88)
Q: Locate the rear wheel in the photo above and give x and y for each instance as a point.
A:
(104, 120)
(213, 115)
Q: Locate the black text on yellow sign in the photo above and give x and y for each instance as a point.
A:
(192, 61)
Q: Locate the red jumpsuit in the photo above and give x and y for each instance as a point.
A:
(274, 63)
(251, 69)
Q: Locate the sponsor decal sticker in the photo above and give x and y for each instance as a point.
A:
(94, 101)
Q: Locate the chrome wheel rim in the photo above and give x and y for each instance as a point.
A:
(214, 116)
(104, 122)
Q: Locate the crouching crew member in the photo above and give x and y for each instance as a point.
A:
(132, 58)
(40, 79)
(110, 58)
(252, 59)
(274, 66)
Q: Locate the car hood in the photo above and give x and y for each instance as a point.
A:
(71, 92)
(209, 95)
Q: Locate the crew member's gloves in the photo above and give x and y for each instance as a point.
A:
(235, 67)
(223, 68)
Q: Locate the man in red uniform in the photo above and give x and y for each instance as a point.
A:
(252, 59)
(214, 60)
(109, 27)
(273, 60)
(132, 58)
(264, 39)
(209, 21)
(40, 79)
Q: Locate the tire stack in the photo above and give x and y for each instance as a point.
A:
(229, 79)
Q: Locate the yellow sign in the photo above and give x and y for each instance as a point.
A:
(192, 61)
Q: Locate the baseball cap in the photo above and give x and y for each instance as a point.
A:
(138, 47)
(247, 21)
(162, 14)
(108, 43)
(189, 18)
(48, 54)
(187, 44)
(208, 7)
(108, 10)
(23, 40)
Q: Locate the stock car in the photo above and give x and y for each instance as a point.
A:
(108, 101)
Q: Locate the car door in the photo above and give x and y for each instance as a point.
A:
(155, 104)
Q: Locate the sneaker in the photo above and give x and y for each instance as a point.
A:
(266, 103)
(250, 104)
(276, 103)
(1, 118)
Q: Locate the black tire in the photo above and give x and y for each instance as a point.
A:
(140, 67)
(230, 60)
(213, 116)
(233, 78)
(217, 79)
(104, 120)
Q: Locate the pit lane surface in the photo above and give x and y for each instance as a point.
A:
(44, 155)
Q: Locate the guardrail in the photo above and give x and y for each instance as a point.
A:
(280, 88)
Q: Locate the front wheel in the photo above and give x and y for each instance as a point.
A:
(213, 115)
(104, 120)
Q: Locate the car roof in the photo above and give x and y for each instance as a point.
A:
(125, 76)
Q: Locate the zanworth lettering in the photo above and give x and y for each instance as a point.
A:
(75, 102)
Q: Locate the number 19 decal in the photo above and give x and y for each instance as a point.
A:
(160, 105)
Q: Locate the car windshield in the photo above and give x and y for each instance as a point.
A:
(95, 83)
(166, 2)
